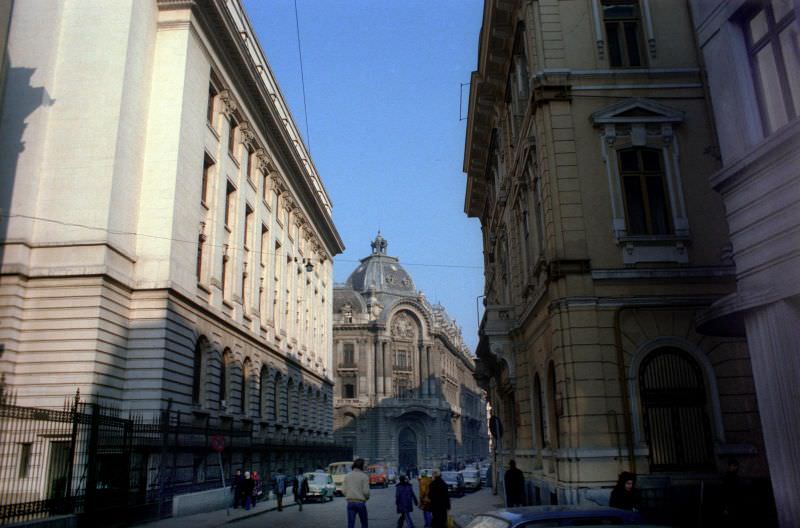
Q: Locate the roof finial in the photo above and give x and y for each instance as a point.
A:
(379, 245)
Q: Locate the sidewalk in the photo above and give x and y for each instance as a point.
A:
(221, 517)
(466, 508)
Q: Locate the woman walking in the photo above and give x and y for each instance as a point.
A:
(405, 500)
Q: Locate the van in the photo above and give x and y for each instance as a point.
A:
(378, 475)
(337, 471)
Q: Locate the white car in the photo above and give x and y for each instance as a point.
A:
(472, 479)
(320, 486)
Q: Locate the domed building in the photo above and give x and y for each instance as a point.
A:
(405, 392)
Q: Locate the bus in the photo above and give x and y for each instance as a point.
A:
(338, 470)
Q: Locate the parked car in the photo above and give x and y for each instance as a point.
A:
(561, 515)
(337, 471)
(484, 473)
(391, 476)
(472, 479)
(320, 486)
(378, 475)
(455, 482)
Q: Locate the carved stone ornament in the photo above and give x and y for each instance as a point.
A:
(264, 161)
(229, 106)
(289, 204)
(246, 134)
(403, 327)
(277, 183)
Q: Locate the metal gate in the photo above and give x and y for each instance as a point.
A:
(675, 412)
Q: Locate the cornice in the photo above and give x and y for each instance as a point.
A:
(236, 43)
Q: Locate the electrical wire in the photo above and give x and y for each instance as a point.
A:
(302, 74)
(194, 241)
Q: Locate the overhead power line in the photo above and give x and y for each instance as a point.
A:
(302, 74)
(194, 241)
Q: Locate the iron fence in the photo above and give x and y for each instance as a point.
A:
(90, 460)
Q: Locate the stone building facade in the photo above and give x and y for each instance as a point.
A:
(166, 238)
(405, 393)
(752, 59)
(588, 155)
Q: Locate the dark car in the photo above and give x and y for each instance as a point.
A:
(562, 515)
(455, 482)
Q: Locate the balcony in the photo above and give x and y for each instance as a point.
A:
(347, 366)
(403, 368)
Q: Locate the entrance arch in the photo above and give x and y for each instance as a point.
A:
(407, 449)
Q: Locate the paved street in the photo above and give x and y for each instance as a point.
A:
(380, 506)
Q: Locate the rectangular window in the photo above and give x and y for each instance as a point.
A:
(349, 391)
(623, 33)
(230, 196)
(232, 137)
(24, 460)
(212, 99)
(349, 354)
(200, 247)
(224, 278)
(251, 162)
(208, 166)
(773, 43)
(264, 245)
(248, 227)
(644, 192)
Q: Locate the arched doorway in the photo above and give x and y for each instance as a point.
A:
(407, 449)
(676, 420)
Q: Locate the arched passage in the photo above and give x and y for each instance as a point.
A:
(407, 449)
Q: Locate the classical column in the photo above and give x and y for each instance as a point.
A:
(387, 370)
(772, 336)
(378, 367)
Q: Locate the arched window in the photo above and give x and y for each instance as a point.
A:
(676, 423)
(224, 379)
(539, 406)
(276, 398)
(289, 404)
(244, 397)
(263, 391)
(552, 405)
(199, 371)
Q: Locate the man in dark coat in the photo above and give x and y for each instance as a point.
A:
(440, 500)
(405, 500)
(279, 485)
(515, 486)
(624, 494)
(236, 488)
(300, 488)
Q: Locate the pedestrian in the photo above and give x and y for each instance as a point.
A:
(439, 499)
(424, 499)
(236, 488)
(300, 488)
(515, 486)
(279, 485)
(356, 492)
(246, 491)
(256, 487)
(624, 495)
(405, 500)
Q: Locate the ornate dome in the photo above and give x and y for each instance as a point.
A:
(381, 273)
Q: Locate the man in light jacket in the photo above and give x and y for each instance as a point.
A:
(356, 491)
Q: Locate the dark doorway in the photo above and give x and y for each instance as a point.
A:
(408, 449)
(675, 415)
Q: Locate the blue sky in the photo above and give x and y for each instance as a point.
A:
(382, 82)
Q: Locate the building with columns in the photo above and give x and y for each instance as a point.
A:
(752, 59)
(166, 238)
(588, 154)
(405, 394)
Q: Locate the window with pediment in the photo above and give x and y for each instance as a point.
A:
(642, 161)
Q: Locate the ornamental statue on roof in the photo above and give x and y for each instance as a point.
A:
(379, 245)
